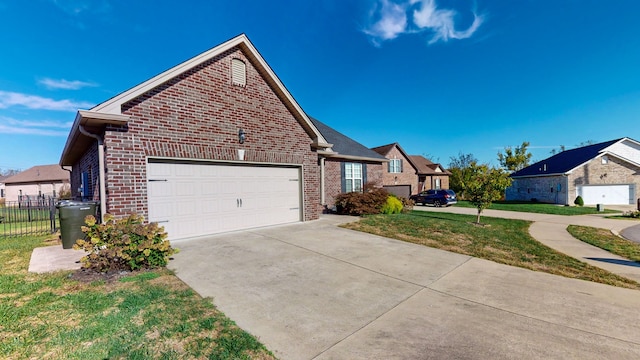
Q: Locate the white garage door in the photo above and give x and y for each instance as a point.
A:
(606, 194)
(195, 199)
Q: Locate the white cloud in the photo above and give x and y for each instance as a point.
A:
(391, 21)
(29, 127)
(65, 84)
(9, 99)
(441, 22)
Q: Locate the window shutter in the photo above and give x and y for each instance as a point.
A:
(343, 181)
(401, 164)
(364, 174)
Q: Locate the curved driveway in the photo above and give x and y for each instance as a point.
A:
(632, 233)
(316, 291)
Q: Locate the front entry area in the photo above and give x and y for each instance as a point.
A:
(192, 199)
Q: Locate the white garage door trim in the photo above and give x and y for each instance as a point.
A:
(610, 194)
(198, 198)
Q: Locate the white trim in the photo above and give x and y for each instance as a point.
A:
(228, 162)
(113, 105)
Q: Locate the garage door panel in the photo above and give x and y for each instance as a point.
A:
(196, 199)
(606, 194)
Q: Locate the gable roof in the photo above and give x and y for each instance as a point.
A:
(564, 162)
(385, 149)
(109, 112)
(425, 166)
(345, 147)
(39, 174)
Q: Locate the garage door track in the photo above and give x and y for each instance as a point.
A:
(316, 291)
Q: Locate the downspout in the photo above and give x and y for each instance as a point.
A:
(101, 180)
(322, 198)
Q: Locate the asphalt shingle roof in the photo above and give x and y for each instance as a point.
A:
(565, 161)
(343, 144)
(38, 174)
(426, 166)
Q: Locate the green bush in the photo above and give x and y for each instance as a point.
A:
(579, 201)
(632, 214)
(393, 205)
(124, 244)
(368, 202)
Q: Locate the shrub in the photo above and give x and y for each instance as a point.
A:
(65, 192)
(632, 214)
(370, 201)
(124, 244)
(407, 204)
(579, 201)
(393, 205)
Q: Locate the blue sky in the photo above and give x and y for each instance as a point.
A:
(439, 77)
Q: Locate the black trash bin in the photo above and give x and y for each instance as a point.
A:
(72, 214)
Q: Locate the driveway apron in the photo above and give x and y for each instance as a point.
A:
(314, 290)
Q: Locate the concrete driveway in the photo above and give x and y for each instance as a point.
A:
(315, 291)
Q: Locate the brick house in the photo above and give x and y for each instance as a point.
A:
(347, 166)
(36, 182)
(406, 175)
(430, 174)
(214, 144)
(607, 173)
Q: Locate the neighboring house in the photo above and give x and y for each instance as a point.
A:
(2, 190)
(607, 173)
(406, 175)
(346, 167)
(430, 174)
(214, 144)
(36, 182)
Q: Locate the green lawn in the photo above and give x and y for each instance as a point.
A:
(604, 239)
(140, 316)
(501, 240)
(539, 208)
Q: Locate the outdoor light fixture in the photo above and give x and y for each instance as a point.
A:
(241, 136)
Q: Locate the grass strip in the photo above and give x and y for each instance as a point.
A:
(504, 241)
(539, 208)
(604, 239)
(142, 315)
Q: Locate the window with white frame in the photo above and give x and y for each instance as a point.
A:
(395, 166)
(353, 177)
(437, 184)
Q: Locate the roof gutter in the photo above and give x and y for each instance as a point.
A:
(101, 179)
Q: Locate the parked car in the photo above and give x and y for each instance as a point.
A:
(435, 197)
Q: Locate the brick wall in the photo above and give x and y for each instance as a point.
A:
(197, 115)
(408, 175)
(87, 163)
(545, 189)
(333, 178)
(548, 189)
(615, 171)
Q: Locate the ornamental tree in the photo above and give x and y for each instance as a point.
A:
(515, 159)
(485, 185)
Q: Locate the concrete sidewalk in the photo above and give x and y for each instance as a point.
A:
(316, 291)
(551, 231)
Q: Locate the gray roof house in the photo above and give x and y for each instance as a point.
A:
(347, 166)
(606, 173)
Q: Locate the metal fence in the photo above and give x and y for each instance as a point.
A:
(28, 216)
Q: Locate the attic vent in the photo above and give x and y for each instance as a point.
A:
(238, 72)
